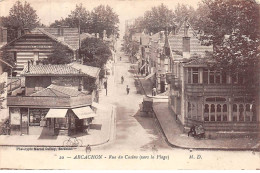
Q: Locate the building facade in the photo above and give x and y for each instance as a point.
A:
(221, 102)
(39, 44)
(56, 100)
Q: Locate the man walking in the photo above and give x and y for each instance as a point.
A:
(127, 89)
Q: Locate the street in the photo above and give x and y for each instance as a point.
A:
(133, 132)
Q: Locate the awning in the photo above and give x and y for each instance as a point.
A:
(84, 112)
(99, 106)
(149, 76)
(56, 113)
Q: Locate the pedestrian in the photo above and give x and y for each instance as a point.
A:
(120, 58)
(192, 131)
(154, 91)
(122, 79)
(105, 86)
(127, 89)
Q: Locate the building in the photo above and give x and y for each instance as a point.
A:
(201, 95)
(39, 43)
(57, 99)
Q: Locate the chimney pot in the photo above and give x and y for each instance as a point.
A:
(26, 30)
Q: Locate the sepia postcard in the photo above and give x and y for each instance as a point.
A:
(130, 84)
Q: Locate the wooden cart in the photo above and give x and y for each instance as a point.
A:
(147, 107)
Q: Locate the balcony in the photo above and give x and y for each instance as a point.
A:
(215, 89)
(49, 102)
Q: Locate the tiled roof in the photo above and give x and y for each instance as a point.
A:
(70, 37)
(58, 91)
(176, 41)
(54, 70)
(49, 70)
(89, 70)
(199, 62)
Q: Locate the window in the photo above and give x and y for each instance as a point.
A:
(234, 114)
(36, 116)
(219, 114)
(225, 112)
(218, 77)
(212, 112)
(195, 75)
(211, 77)
(205, 76)
(240, 79)
(206, 112)
(248, 113)
(241, 112)
(189, 75)
(224, 78)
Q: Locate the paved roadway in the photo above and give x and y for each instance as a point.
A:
(133, 132)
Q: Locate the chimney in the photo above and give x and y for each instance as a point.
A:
(26, 30)
(4, 35)
(186, 47)
(19, 33)
(28, 70)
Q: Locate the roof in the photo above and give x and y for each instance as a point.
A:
(198, 62)
(145, 39)
(90, 70)
(176, 41)
(58, 91)
(55, 70)
(70, 37)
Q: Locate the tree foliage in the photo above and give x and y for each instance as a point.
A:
(95, 53)
(234, 29)
(158, 18)
(101, 18)
(59, 55)
(7, 57)
(21, 16)
(78, 17)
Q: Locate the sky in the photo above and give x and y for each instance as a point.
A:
(51, 10)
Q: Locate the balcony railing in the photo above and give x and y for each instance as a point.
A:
(48, 102)
(215, 88)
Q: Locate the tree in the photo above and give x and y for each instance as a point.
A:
(103, 18)
(21, 16)
(7, 57)
(234, 29)
(95, 53)
(59, 55)
(158, 18)
(182, 11)
(78, 18)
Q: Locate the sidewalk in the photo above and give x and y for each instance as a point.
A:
(175, 136)
(99, 133)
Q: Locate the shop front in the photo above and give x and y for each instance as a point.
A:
(44, 121)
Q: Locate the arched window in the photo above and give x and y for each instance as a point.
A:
(218, 112)
(206, 112)
(248, 112)
(254, 112)
(234, 113)
(225, 112)
(241, 112)
(212, 112)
